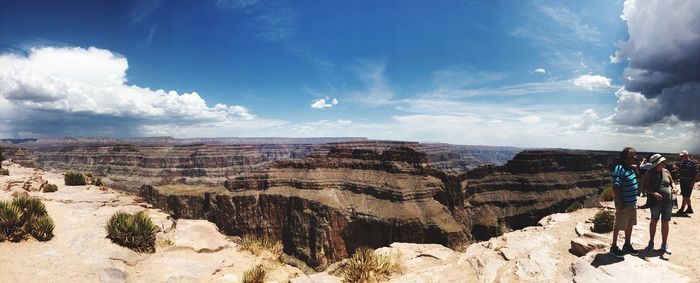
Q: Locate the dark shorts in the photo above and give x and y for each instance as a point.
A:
(686, 189)
(663, 210)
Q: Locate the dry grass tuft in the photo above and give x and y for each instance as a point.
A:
(258, 246)
(366, 266)
(254, 275)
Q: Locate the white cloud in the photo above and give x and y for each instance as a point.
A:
(324, 103)
(344, 122)
(592, 82)
(633, 108)
(76, 90)
(539, 71)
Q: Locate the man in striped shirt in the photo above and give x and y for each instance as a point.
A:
(624, 180)
(688, 175)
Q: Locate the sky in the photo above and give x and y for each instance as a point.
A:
(596, 74)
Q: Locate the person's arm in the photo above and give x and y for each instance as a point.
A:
(616, 179)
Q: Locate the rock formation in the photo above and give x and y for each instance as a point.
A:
(342, 197)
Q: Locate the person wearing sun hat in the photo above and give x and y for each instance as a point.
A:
(658, 183)
(688, 175)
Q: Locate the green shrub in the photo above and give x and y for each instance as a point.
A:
(42, 228)
(136, 232)
(257, 245)
(72, 178)
(98, 182)
(49, 188)
(31, 208)
(607, 194)
(4, 171)
(10, 222)
(254, 275)
(25, 215)
(603, 221)
(366, 266)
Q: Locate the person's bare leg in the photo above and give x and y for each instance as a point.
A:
(664, 232)
(628, 235)
(615, 232)
(682, 208)
(652, 229)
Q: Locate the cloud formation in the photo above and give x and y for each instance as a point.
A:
(591, 82)
(663, 52)
(73, 90)
(324, 103)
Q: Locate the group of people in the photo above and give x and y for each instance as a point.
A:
(653, 178)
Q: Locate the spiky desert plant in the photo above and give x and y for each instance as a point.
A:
(254, 275)
(72, 178)
(31, 208)
(607, 194)
(136, 232)
(10, 221)
(366, 266)
(42, 228)
(603, 221)
(98, 182)
(4, 171)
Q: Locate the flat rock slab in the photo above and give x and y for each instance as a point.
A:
(603, 267)
(317, 278)
(201, 235)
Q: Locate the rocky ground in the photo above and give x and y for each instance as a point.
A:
(187, 250)
(194, 251)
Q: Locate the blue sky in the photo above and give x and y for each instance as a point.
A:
(523, 73)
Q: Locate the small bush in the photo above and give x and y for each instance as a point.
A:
(136, 232)
(607, 194)
(72, 178)
(254, 275)
(4, 171)
(366, 266)
(98, 182)
(25, 215)
(574, 207)
(10, 222)
(603, 221)
(42, 228)
(257, 245)
(49, 188)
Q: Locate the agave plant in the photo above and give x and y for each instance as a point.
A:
(366, 266)
(10, 221)
(136, 232)
(42, 228)
(72, 178)
(31, 208)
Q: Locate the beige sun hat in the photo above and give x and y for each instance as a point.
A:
(656, 159)
(683, 153)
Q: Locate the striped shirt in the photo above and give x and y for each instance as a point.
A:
(687, 170)
(626, 180)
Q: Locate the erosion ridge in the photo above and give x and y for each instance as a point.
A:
(342, 196)
(128, 163)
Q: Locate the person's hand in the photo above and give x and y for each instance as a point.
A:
(657, 196)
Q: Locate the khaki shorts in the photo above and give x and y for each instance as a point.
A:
(626, 216)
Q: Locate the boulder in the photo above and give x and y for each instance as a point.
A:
(200, 235)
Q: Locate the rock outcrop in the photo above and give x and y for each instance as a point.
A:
(325, 206)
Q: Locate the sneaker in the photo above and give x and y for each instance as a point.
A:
(616, 252)
(628, 249)
(666, 249)
(680, 212)
(689, 211)
(650, 247)
(644, 206)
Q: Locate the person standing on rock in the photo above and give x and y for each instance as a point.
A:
(688, 175)
(624, 179)
(658, 183)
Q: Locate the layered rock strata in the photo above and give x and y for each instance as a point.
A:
(325, 206)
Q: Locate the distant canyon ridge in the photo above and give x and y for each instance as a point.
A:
(326, 197)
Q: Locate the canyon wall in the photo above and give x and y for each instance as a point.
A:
(342, 197)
